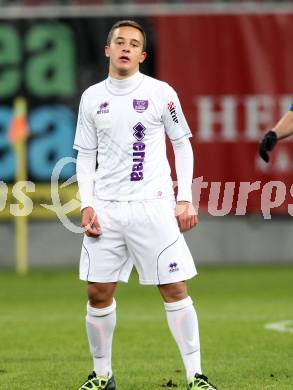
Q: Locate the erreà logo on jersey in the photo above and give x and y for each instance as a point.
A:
(172, 109)
(140, 105)
(138, 152)
(139, 131)
(103, 108)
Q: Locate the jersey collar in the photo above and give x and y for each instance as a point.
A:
(125, 86)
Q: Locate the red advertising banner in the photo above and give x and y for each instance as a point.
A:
(233, 75)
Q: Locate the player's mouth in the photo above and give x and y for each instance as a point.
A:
(124, 59)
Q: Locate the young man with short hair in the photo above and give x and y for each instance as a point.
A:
(128, 205)
(283, 129)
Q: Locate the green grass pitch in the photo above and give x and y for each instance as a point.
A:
(43, 343)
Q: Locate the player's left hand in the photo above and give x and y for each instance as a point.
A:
(185, 215)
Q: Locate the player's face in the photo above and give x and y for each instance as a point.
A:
(125, 52)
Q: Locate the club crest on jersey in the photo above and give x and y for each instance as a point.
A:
(103, 108)
(140, 105)
(173, 267)
(172, 110)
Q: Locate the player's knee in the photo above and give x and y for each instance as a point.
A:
(174, 292)
(177, 294)
(100, 295)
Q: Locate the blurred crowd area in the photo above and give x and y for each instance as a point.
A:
(106, 2)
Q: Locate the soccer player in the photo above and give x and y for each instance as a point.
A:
(283, 129)
(128, 205)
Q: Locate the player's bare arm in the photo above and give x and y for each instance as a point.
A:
(90, 222)
(284, 127)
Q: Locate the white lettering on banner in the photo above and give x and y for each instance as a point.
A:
(25, 205)
(3, 195)
(290, 206)
(208, 117)
(221, 197)
(231, 118)
(284, 102)
(272, 195)
(245, 188)
(259, 112)
(214, 198)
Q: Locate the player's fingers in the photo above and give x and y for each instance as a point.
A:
(88, 232)
(189, 223)
(180, 222)
(97, 225)
(183, 226)
(94, 225)
(264, 155)
(91, 232)
(263, 152)
(90, 229)
(184, 223)
(192, 222)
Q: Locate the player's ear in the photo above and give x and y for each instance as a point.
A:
(143, 57)
(107, 51)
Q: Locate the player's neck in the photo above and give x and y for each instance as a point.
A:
(122, 76)
(125, 85)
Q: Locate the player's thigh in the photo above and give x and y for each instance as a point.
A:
(157, 247)
(105, 259)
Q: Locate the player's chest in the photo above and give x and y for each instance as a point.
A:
(121, 115)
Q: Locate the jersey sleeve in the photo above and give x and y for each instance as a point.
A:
(86, 139)
(291, 108)
(174, 120)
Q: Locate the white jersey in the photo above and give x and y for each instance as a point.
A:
(126, 122)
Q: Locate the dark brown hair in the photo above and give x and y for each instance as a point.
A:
(127, 23)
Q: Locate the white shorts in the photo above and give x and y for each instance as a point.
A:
(143, 234)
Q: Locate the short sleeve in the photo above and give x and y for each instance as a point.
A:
(86, 139)
(174, 120)
(291, 108)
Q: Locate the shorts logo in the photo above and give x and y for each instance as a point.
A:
(138, 153)
(172, 110)
(140, 105)
(173, 267)
(103, 108)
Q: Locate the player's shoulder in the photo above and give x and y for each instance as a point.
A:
(159, 87)
(156, 83)
(94, 90)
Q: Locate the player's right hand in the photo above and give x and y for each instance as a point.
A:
(90, 222)
(267, 144)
